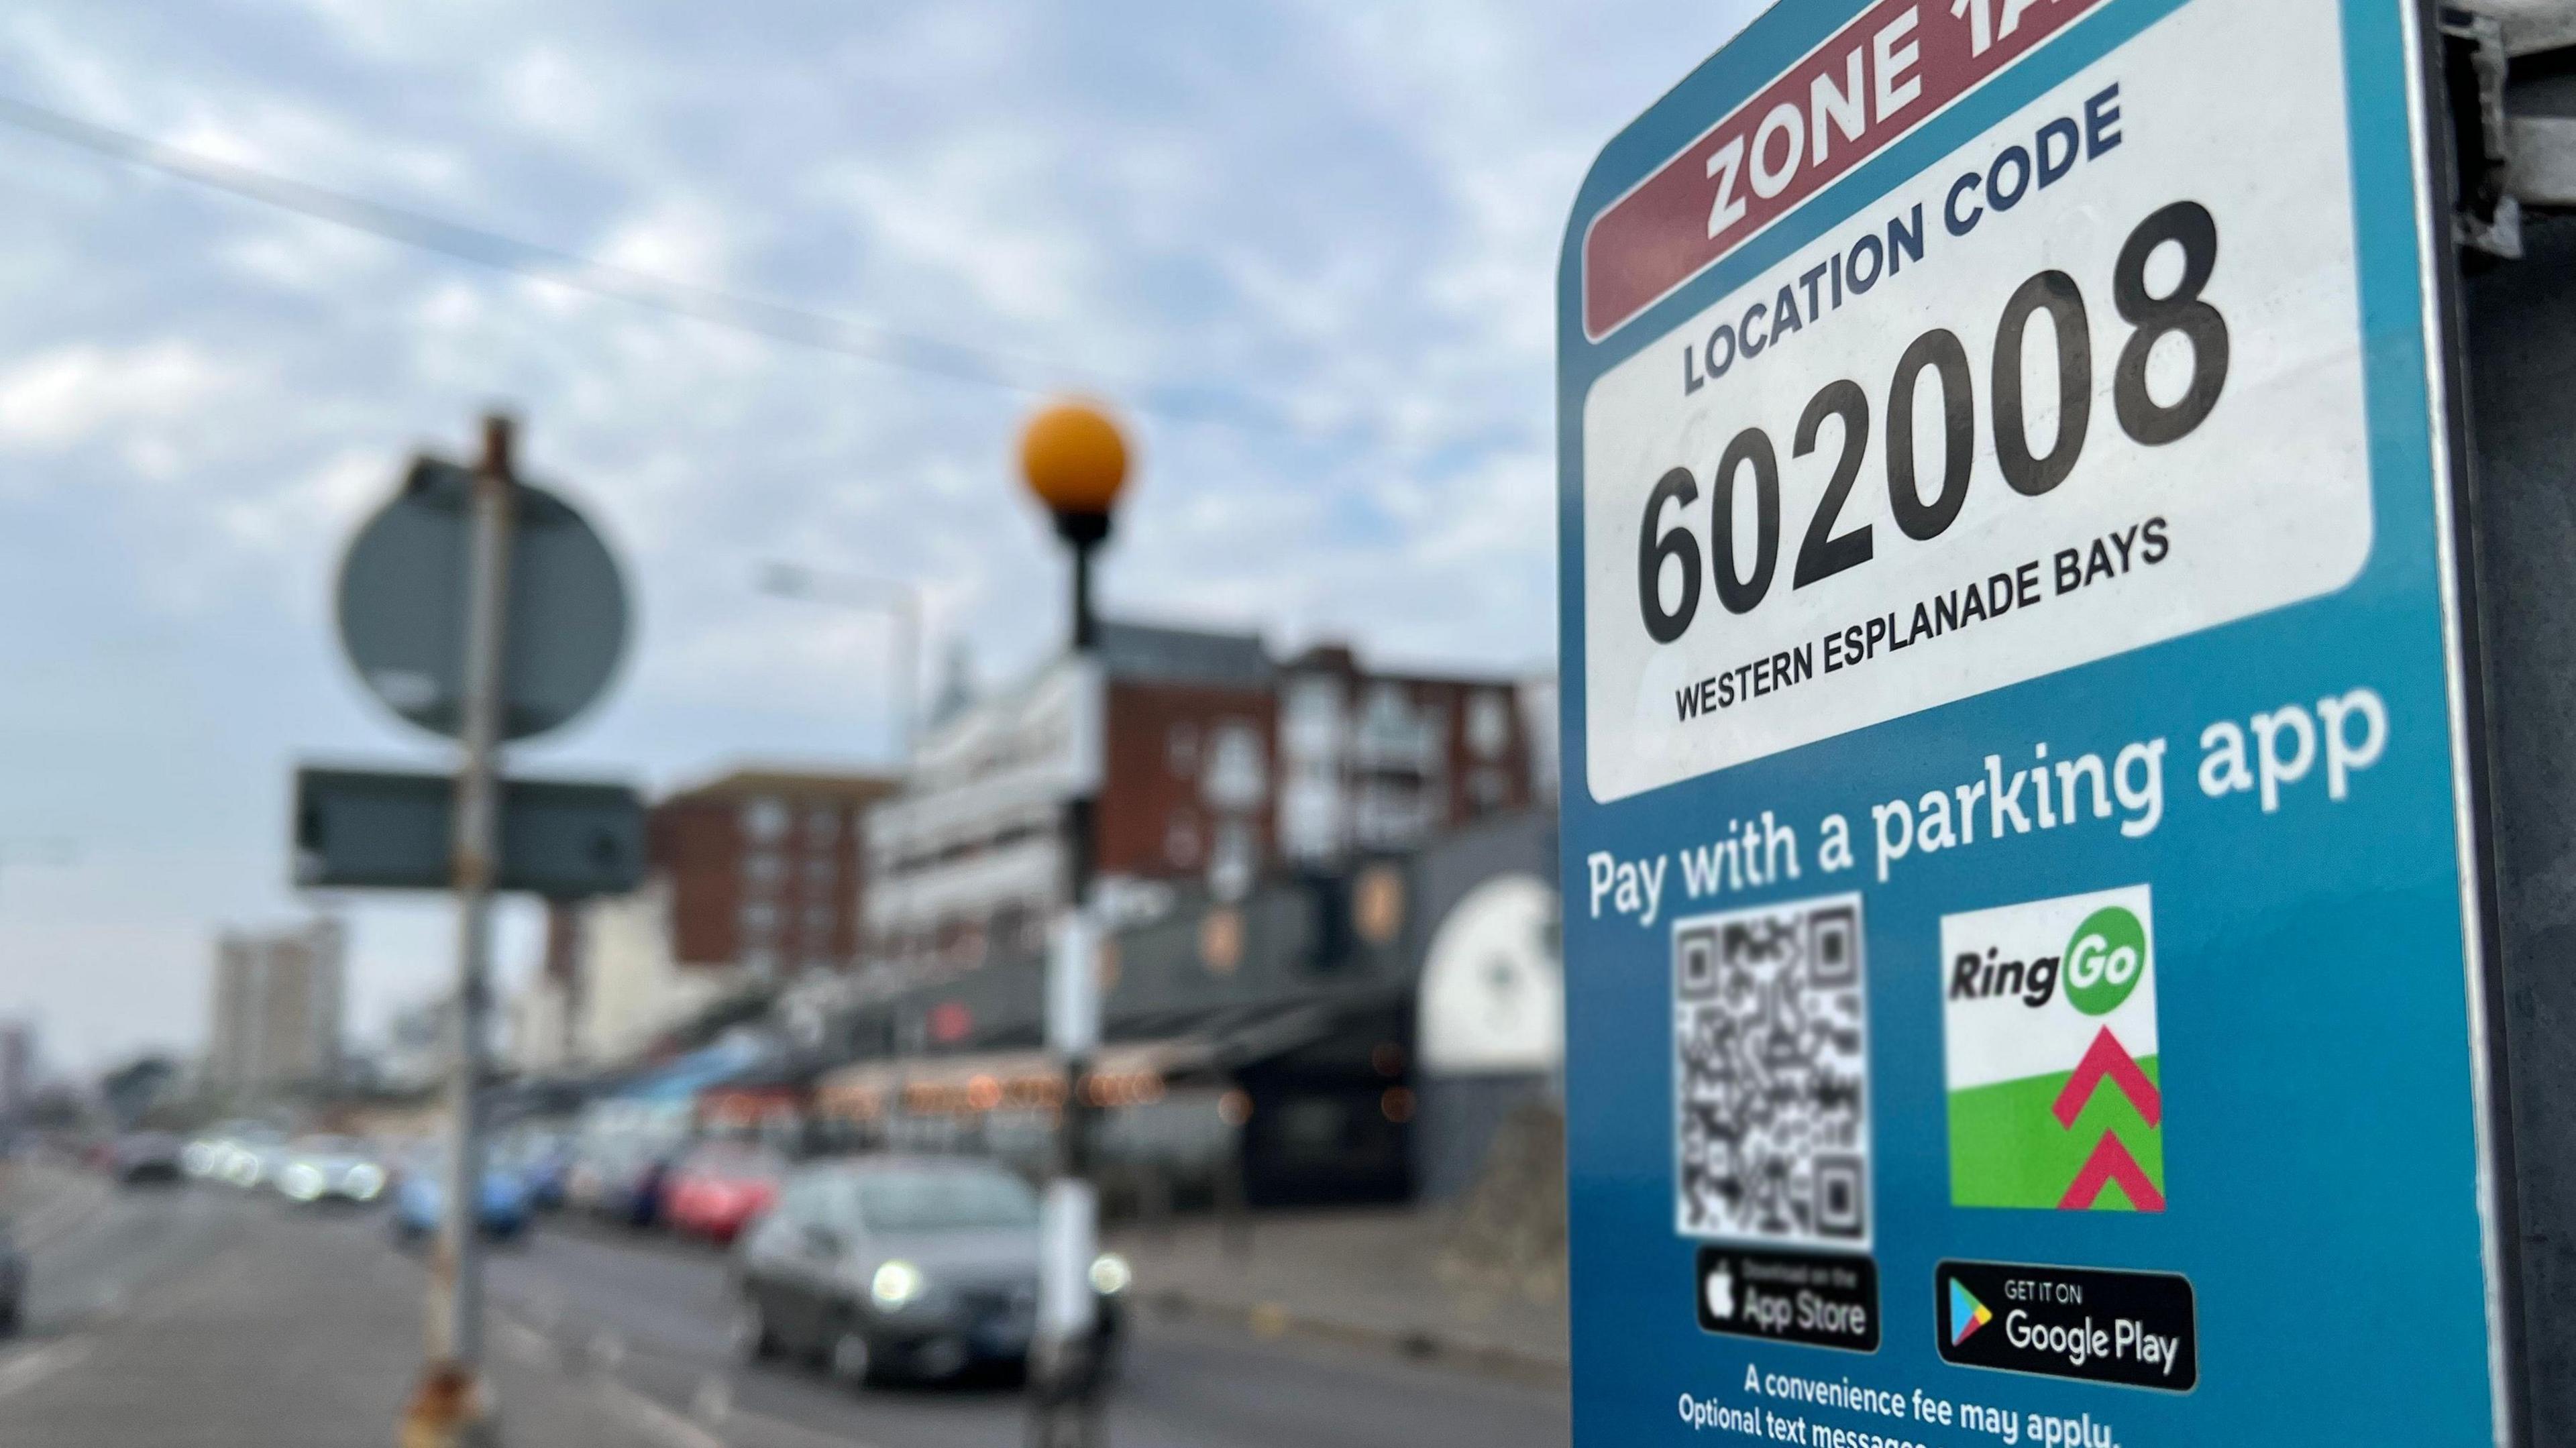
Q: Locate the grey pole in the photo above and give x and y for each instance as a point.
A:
(456, 1272)
(907, 669)
(899, 600)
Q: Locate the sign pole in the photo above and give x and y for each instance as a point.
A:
(455, 1338)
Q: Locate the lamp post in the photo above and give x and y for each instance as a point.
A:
(899, 600)
(1075, 462)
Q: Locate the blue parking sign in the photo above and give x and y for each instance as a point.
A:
(2026, 911)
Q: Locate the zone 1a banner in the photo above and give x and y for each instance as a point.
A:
(2024, 890)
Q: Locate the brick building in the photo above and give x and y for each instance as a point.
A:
(753, 879)
(765, 869)
(1213, 762)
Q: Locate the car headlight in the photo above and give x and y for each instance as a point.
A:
(1110, 1274)
(895, 1284)
(301, 1182)
(364, 1181)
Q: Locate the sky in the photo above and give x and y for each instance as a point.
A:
(1306, 250)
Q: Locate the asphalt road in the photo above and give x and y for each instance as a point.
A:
(154, 1314)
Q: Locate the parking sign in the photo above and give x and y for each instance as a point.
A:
(2024, 882)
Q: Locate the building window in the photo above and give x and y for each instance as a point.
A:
(819, 875)
(818, 921)
(1181, 840)
(762, 872)
(1237, 776)
(764, 820)
(1310, 720)
(1181, 749)
(1233, 862)
(759, 920)
(1489, 726)
(823, 827)
(1394, 735)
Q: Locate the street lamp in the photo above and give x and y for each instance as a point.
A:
(901, 601)
(1075, 462)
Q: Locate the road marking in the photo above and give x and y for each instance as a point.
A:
(713, 1400)
(653, 1419)
(530, 1345)
(770, 1432)
(28, 1369)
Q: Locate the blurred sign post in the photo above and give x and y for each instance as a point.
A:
(2029, 838)
(1075, 461)
(485, 609)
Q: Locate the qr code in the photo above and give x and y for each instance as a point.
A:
(1771, 1075)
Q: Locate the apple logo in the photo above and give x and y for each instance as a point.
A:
(1720, 1291)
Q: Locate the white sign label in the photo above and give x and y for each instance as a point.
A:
(2089, 382)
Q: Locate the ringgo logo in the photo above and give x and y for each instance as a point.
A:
(2105, 961)
(2049, 1033)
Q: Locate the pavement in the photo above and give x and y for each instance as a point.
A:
(209, 1318)
(1381, 1278)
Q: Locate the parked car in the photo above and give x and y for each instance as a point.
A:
(890, 1266)
(330, 1169)
(250, 1158)
(621, 1181)
(719, 1187)
(420, 1200)
(543, 1160)
(13, 1282)
(136, 1158)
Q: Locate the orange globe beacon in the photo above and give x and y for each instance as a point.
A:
(1074, 459)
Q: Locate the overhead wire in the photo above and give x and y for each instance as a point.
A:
(867, 341)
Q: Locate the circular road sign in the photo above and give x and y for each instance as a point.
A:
(402, 596)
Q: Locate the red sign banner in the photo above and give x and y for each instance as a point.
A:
(1895, 66)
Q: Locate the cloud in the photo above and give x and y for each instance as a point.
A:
(70, 394)
(1311, 249)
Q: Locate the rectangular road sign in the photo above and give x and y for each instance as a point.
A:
(373, 829)
(2019, 743)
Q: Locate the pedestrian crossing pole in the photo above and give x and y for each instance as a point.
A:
(1075, 462)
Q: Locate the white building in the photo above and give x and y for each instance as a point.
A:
(275, 1013)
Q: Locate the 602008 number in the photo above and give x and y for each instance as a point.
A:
(1939, 359)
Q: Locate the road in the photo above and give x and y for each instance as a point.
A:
(163, 1316)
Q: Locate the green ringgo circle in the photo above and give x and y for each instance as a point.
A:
(2105, 960)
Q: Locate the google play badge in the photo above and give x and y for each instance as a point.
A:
(1967, 1314)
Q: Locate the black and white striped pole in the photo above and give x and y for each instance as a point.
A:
(1075, 461)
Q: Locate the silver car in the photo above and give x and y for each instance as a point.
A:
(901, 1267)
(329, 1169)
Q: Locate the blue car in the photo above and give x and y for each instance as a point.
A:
(420, 1201)
(543, 1165)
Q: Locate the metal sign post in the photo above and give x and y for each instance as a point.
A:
(2030, 904)
(485, 609)
(456, 1271)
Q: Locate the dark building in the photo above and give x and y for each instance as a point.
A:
(1332, 1036)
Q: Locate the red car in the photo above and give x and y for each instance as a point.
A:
(718, 1187)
